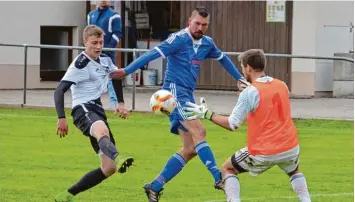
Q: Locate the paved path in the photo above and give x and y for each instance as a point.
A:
(220, 101)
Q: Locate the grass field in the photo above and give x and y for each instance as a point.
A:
(35, 164)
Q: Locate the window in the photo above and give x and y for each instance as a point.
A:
(54, 62)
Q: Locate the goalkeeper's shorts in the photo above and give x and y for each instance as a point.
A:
(182, 95)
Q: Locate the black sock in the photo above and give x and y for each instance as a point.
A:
(107, 147)
(88, 181)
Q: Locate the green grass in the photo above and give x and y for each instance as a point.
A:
(35, 164)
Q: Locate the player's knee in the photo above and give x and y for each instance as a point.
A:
(200, 134)
(294, 172)
(228, 168)
(99, 129)
(225, 167)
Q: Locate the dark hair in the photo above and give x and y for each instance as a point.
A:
(255, 58)
(202, 11)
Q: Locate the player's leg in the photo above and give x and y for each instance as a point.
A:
(241, 162)
(290, 165)
(90, 123)
(197, 132)
(105, 142)
(101, 133)
(176, 162)
(173, 166)
(299, 185)
(230, 169)
(96, 176)
(203, 150)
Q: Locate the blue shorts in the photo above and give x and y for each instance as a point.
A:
(182, 95)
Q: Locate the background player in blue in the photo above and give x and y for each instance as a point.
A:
(184, 51)
(110, 22)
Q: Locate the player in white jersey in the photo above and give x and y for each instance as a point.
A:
(87, 77)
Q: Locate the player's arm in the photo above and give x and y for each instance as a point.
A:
(164, 49)
(75, 74)
(225, 61)
(115, 29)
(59, 97)
(117, 85)
(62, 124)
(247, 102)
(141, 61)
(118, 101)
(88, 20)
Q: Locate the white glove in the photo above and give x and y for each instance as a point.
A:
(195, 111)
(242, 84)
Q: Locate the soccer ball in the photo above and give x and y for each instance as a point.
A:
(162, 101)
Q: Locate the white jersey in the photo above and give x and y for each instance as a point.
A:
(90, 77)
(248, 102)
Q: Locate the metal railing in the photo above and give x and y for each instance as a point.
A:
(134, 51)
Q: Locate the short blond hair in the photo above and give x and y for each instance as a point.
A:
(255, 58)
(92, 30)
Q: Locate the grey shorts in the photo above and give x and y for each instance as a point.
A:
(256, 164)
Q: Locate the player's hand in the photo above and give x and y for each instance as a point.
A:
(121, 110)
(242, 84)
(62, 127)
(118, 74)
(195, 111)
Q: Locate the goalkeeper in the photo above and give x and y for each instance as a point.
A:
(272, 135)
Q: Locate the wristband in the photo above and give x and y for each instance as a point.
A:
(209, 114)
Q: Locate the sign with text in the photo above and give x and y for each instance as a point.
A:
(275, 11)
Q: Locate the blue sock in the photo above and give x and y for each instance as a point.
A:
(171, 169)
(204, 151)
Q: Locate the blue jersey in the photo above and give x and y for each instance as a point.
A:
(110, 22)
(184, 56)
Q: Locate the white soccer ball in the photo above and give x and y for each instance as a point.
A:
(163, 102)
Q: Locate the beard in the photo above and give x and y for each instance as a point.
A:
(197, 35)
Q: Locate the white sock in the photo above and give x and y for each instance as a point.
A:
(299, 185)
(232, 188)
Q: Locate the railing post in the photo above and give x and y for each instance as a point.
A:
(134, 83)
(24, 75)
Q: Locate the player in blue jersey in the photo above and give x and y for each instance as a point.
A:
(184, 51)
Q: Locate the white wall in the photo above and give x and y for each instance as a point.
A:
(331, 39)
(311, 37)
(26, 19)
(303, 35)
(303, 43)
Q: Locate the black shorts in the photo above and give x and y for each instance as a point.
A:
(84, 116)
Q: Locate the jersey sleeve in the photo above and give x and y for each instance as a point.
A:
(247, 102)
(171, 45)
(215, 53)
(112, 66)
(76, 75)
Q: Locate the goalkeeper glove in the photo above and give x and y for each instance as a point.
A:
(195, 111)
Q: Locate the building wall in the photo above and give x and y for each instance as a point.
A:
(311, 37)
(26, 19)
(331, 38)
(303, 43)
(236, 26)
